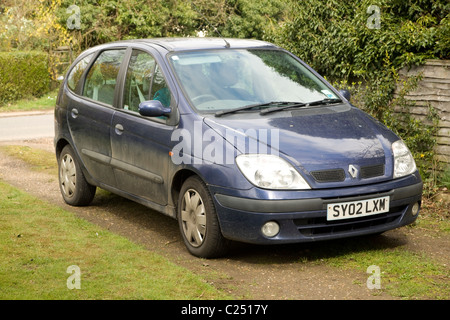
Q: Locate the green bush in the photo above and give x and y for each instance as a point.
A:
(339, 37)
(23, 74)
(362, 45)
(444, 178)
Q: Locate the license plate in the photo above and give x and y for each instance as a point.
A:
(356, 209)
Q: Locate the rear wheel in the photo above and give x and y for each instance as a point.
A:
(198, 221)
(75, 190)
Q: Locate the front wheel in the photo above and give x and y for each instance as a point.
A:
(75, 190)
(198, 221)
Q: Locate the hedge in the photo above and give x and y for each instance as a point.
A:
(338, 38)
(23, 74)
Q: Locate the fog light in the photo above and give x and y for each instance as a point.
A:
(415, 209)
(270, 229)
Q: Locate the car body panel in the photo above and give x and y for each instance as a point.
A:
(93, 145)
(140, 155)
(338, 138)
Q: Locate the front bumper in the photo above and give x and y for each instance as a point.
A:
(304, 220)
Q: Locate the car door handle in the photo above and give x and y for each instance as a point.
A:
(118, 129)
(74, 113)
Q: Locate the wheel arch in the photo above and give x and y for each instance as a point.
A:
(177, 182)
(60, 145)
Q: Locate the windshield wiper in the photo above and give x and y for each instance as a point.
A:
(324, 101)
(278, 106)
(302, 105)
(257, 105)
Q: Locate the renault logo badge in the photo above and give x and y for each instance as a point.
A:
(353, 171)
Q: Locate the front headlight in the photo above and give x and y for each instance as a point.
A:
(270, 172)
(404, 163)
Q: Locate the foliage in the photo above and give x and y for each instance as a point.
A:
(337, 39)
(31, 25)
(44, 103)
(444, 178)
(47, 24)
(23, 74)
(418, 135)
(359, 45)
(17, 25)
(108, 20)
(340, 39)
(332, 36)
(249, 19)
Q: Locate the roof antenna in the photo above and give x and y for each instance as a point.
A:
(227, 44)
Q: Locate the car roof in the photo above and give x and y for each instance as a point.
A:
(181, 44)
(191, 43)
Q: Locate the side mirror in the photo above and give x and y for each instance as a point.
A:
(345, 93)
(153, 108)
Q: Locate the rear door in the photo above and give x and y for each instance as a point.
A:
(140, 145)
(90, 114)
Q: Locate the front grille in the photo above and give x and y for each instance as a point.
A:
(338, 175)
(310, 227)
(333, 175)
(372, 171)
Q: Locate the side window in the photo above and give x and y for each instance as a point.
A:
(101, 79)
(138, 81)
(160, 90)
(75, 74)
(144, 81)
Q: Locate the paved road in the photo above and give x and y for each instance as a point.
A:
(24, 126)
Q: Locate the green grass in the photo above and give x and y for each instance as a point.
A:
(39, 160)
(444, 178)
(46, 102)
(434, 217)
(39, 241)
(404, 274)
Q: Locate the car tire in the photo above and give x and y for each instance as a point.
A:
(75, 190)
(198, 222)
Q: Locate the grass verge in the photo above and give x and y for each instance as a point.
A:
(405, 274)
(46, 102)
(39, 242)
(38, 159)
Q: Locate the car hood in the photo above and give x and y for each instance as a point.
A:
(330, 146)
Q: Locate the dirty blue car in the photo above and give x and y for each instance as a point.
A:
(238, 140)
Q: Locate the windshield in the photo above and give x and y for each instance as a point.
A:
(216, 80)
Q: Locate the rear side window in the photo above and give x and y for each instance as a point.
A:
(75, 74)
(102, 77)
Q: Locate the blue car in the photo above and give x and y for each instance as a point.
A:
(238, 140)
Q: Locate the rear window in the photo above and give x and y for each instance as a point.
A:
(75, 74)
(102, 77)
